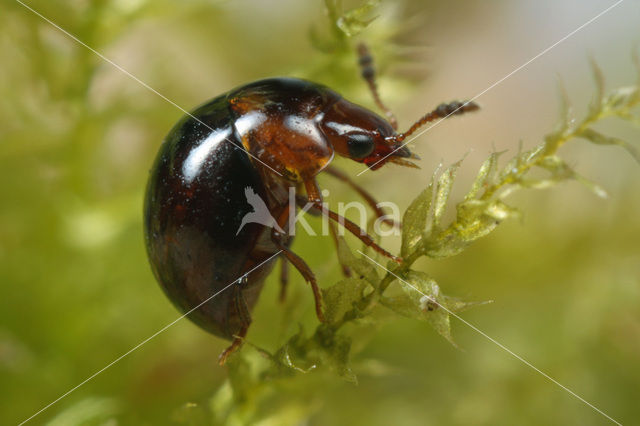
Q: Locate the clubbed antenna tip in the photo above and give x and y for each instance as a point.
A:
(442, 111)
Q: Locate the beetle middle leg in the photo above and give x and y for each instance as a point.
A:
(298, 263)
(315, 198)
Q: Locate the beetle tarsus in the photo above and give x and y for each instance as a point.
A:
(237, 342)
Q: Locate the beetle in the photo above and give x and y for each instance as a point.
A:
(264, 137)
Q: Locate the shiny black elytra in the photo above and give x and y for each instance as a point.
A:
(270, 135)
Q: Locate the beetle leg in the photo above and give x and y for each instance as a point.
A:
(306, 273)
(346, 271)
(238, 339)
(284, 278)
(245, 318)
(368, 73)
(241, 306)
(368, 198)
(315, 198)
(298, 263)
(301, 202)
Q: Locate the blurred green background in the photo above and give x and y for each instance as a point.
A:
(77, 138)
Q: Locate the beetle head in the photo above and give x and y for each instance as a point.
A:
(363, 136)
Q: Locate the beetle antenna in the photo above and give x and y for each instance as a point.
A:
(368, 72)
(442, 111)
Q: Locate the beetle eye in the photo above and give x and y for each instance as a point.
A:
(360, 145)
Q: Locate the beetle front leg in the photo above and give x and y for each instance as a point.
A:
(315, 198)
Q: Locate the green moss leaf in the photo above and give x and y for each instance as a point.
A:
(475, 219)
(422, 300)
(600, 139)
(355, 20)
(414, 221)
(560, 171)
(596, 105)
(341, 298)
(285, 359)
(486, 175)
(360, 267)
(566, 117)
(443, 190)
(337, 358)
(622, 98)
(456, 305)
